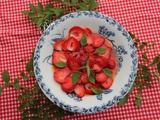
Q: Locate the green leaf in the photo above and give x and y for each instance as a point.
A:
(83, 67)
(29, 66)
(40, 110)
(144, 43)
(147, 78)
(141, 47)
(34, 20)
(35, 118)
(123, 100)
(138, 101)
(74, 2)
(26, 78)
(132, 88)
(24, 113)
(26, 12)
(16, 80)
(32, 7)
(22, 74)
(33, 110)
(138, 78)
(108, 72)
(83, 6)
(40, 21)
(20, 97)
(96, 90)
(5, 76)
(91, 78)
(158, 77)
(132, 35)
(16, 86)
(31, 74)
(156, 60)
(100, 50)
(83, 41)
(54, 108)
(1, 90)
(36, 89)
(59, 114)
(58, 0)
(85, 1)
(145, 57)
(146, 73)
(48, 7)
(158, 67)
(88, 69)
(60, 64)
(93, 4)
(75, 77)
(67, 3)
(137, 40)
(40, 9)
(23, 105)
(57, 11)
(45, 117)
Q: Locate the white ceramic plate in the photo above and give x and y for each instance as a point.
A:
(109, 28)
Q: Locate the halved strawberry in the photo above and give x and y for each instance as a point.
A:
(71, 44)
(73, 63)
(107, 54)
(88, 86)
(88, 31)
(76, 32)
(79, 90)
(98, 40)
(61, 74)
(90, 39)
(88, 48)
(67, 85)
(111, 64)
(96, 66)
(107, 84)
(58, 45)
(84, 78)
(58, 56)
(101, 77)
(101, 60)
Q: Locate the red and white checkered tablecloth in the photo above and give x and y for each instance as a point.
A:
(18, 37)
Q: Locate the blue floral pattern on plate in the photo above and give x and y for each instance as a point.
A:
(108, 28)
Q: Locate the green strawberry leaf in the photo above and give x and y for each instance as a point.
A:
(0, 90)
(100, 50)
(96, 90)
(123, 100)
(83, 41)
(156, 60)
(93, 4)
(75, 77)
(60, 64)
(108, 72)
(91, 78)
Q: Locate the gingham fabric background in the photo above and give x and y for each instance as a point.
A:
(18, 36)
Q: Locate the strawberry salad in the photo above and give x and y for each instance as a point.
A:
(85, 63)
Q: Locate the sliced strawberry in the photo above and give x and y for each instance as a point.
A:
(88, 31)
(89, 49)
(79, 90)
(88, 86)
(81, 51)
(101, 77)
(82, 60)
(67, 85)
(58, 45)
(101, 60)
(96, 66)
(111, 64)
(107, 84)
(61, 74)
(76, 32)
(98, 41)
(73, 63)
(84, 78)
(71, 44)
(107, 54)
(90, 39)
(58, 56)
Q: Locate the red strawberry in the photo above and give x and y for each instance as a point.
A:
(72, 63)
(58, 56)
(96, 66)
(76, 32)
(67, 85)
(58, 45)
(82, 59)
(88, 49)
(111, 64)
(101, 77)
(88, 86)
(70, 44)
(107, 84)
(107, 54)
(90, 39)
(88, 31)
(79, 90)
(98, 41)
(81, 52)
(101, 60)
(61, 74)
(84, 78)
